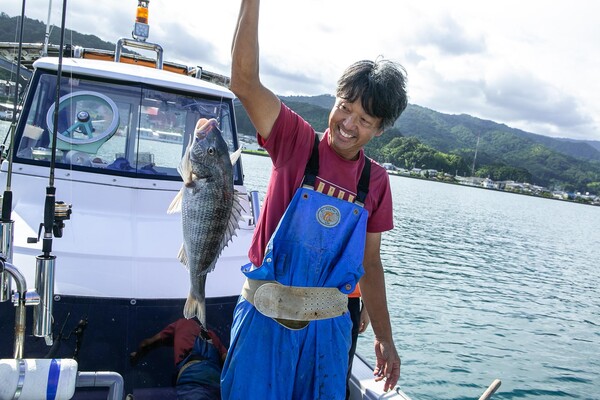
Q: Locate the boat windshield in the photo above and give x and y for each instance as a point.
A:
(116, 128)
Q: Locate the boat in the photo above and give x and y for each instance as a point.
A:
(6, 112)
(88, 253)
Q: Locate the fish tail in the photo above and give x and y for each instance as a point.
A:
(195, 306)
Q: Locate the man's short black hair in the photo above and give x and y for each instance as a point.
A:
(381, 87)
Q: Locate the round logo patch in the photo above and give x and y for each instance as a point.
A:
(328, 216)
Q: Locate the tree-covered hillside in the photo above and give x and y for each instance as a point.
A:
(315, 115)
(551, 162)
(34, 31)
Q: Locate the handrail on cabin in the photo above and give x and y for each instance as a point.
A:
(140, 45)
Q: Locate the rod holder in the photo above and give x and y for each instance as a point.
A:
(44, 283)
(5, 288)
(6, 252)
(21, 298)
(255, 203)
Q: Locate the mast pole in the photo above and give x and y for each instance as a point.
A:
(475, 157)
(47, 35)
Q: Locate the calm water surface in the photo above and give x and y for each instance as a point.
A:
(484, 285)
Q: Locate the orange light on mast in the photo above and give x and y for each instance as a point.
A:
(141, 15)
(141, 29)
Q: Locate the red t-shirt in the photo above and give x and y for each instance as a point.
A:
(290, 145)
(182, 334)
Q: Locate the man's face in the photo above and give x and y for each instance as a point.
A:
(350, 128)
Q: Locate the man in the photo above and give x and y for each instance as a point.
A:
(291, 332)
(198, 355)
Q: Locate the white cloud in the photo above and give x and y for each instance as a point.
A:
(531, 65)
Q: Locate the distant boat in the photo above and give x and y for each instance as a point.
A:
(161, 136)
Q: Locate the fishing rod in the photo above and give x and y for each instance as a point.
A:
(6, 240)
(21, 298)
(55, 213)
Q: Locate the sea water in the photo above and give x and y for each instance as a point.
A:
(483, 284)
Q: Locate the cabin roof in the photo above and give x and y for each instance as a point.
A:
(133, 73)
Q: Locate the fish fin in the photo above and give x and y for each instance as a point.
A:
(175, 205)
(238, 203)
(233, 157)
(234, 221)
(212, 265)
(195, 306)
(182, 256)
(185, 165)
(185, 170)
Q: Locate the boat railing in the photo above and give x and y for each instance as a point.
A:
(111, 380)
(139, 45)
(255, 204)
(33, 51)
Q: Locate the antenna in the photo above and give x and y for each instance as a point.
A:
(47, 35)
(475, 157)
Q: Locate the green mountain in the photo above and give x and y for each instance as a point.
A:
(316, 116)
(34, 31)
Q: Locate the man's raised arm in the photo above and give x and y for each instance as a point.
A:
(261, 104)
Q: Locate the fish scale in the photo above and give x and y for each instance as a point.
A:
(206, 208)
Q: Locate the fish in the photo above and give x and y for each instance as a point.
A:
(210, 207)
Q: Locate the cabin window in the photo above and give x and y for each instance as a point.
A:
(115, 128)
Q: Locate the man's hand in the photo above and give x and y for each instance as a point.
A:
(143, 348)
(364, 320)
(134, 358)
(388, 364)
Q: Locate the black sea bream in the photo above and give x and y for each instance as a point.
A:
(210, 209)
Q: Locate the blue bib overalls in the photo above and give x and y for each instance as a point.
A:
(199, 372)
(319, 242)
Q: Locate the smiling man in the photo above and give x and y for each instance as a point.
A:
(319, 233)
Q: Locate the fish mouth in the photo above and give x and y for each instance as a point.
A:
(204, 127)
(199, 179)
(205, 177)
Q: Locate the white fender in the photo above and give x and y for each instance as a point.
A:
(37, 379)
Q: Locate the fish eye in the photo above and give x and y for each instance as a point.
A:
(211, 151)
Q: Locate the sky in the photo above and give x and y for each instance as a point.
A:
(532, 65)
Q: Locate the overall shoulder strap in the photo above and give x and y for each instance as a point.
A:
(312, 167)
(363, 183)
